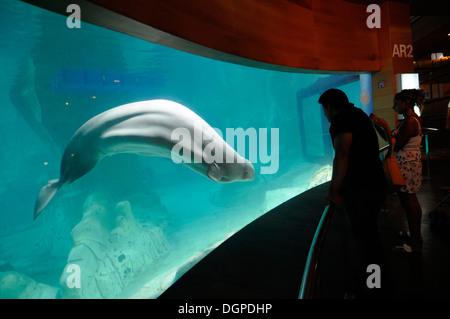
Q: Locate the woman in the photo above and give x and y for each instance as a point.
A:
(407, 136)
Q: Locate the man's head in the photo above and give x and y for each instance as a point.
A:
(333, 102)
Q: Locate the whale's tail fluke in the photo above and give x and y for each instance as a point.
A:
(45, 195)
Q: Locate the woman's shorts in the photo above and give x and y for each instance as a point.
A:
(410, 164)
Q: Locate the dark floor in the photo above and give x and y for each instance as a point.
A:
(266, 259)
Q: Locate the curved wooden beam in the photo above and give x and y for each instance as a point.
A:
(286, 35)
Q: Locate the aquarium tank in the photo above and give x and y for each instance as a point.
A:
(134, 224)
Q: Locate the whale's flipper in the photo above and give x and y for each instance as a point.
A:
(214, 172)
(45, 195)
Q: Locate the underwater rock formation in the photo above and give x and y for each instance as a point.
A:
(156, 286)
(14, 285)
(111, 249)
(321, 176)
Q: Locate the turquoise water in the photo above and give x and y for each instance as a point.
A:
(134, 224)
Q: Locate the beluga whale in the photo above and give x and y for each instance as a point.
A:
(152, 128)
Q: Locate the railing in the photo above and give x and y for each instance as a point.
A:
(307, 288)
(386, 147)
(426, 132)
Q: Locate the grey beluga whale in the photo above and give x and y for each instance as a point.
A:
(147, 128)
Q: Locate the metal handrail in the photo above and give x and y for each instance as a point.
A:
(307, 288)
(426, 131)
(382, 149)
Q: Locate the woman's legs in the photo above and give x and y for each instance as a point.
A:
(414, 217)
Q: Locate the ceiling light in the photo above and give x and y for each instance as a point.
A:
(438, 55)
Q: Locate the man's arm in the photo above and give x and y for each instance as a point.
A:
(342, 143)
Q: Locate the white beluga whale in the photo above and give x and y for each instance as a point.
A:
(151, 128)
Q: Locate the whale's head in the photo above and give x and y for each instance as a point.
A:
(241, 171)
(245, 172)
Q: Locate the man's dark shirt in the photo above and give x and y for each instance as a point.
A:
(365, 171)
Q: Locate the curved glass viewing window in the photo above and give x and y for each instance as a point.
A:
(133, 224)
